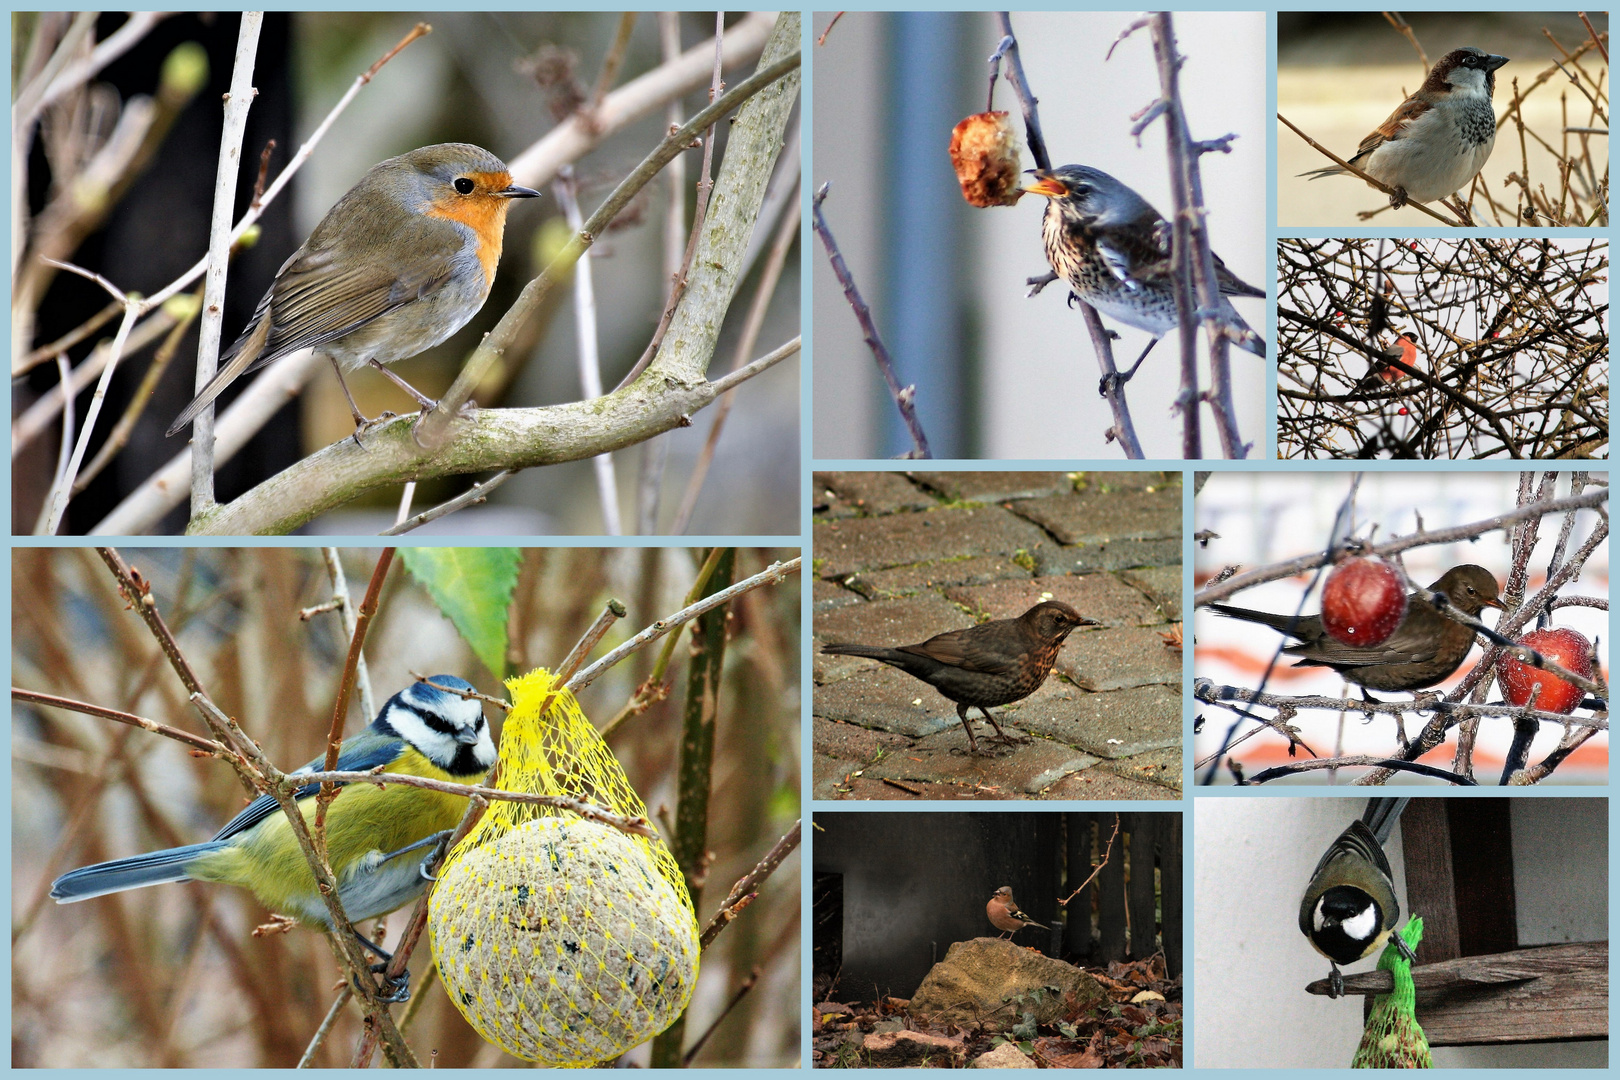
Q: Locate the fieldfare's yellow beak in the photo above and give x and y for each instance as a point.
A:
(1046, 184)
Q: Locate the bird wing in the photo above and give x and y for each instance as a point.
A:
(314, 301)
(956, 648)
(1136, 253)
(1393, 127)
(1415, 641)
(365, 751)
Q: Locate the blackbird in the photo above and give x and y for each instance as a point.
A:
(1425, 649)
(990, 664)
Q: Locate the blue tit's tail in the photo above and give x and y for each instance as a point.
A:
(154, 868)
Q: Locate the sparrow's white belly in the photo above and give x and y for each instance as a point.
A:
(1434, 155)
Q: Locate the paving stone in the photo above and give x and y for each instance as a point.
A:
(850, 742)
(874, 493)
(1095, 518)
(1108, 557)
(994, 487)
(826, 595)
(1116, 724)
(884, 699)
(847, 547)
(910, 580)
(1098, 784)
(1098, 596)
(884, 622)
(1162, 585)
(1029, 768)
(1161, 767)
(1116, 659)
(825, 503)
(865, 787)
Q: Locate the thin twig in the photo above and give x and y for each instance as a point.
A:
(473, 495)
(904, 397)
(769, 576)
(747, 887)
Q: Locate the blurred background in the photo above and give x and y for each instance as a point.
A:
(1340, 75)
(1263, 518)
(999, 375)
(500, 80)
(141, 978)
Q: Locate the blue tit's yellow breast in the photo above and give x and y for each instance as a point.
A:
(364, 818)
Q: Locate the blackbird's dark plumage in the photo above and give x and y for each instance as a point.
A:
(1424, 650)
(991, 664)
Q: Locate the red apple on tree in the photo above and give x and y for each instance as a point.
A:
(1563, 646)
(1363, 602)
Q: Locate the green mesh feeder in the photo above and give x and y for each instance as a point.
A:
(1392, 1038)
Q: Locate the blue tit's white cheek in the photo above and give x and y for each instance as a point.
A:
(1362, 927)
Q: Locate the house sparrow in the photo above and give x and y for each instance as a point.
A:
(1380, 375)
(1004, 914)
(1440, 137)
(1114, 251)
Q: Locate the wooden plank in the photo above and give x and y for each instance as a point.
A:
(1170, 893)
(1549, 994)
(1482, 859)
(1426, 842)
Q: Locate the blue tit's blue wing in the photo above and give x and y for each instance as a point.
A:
(365, 751)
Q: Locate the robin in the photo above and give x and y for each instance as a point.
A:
(992, 664)
(1005, 914)
(403, 261)
(1424, 650)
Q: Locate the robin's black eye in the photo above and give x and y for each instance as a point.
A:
(464, 185)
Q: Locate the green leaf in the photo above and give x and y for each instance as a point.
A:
(473, 587)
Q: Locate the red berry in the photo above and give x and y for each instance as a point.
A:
(1363, 602)
(1402, 410)
(1561, 645)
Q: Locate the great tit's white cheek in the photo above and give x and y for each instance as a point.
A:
(1362, 927)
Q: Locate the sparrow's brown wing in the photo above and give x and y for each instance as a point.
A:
(1394, 127)
(969, 651)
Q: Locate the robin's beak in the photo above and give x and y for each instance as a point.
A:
(513, 191)
(1046, 184)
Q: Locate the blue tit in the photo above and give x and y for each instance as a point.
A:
(1350, 909)
(370, 829)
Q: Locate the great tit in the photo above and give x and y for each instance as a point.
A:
(1349, 908)
(370, 828)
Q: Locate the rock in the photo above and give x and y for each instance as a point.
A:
(972, 985)
(904, 1048)
(1005, 1056)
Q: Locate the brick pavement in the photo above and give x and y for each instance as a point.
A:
(900, 557)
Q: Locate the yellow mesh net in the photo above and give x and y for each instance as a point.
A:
(562, 940)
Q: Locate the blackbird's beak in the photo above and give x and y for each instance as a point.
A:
(1047, 184)
(1496, 604)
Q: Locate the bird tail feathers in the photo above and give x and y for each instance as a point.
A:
(154, 868)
